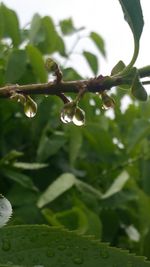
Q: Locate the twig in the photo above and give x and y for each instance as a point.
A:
(97, 84)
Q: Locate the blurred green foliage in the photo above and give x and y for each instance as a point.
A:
(94, 179)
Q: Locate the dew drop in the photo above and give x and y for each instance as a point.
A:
(79, 117)
(108, 102)
(104, 107)
(65, 118)
(77, 122)
(78, 260)
(6, 246)
(68, 112)
(29, 112)
(30, 108)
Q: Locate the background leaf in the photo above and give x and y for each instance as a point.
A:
(34, 28)
(29, 166)
(137, 132)
(99, 42)
(11, 25)
(20, 178)
(37, 63)
(47, 36)
(118, 67)
(58, 187)
(117, 185)
(92, 61)
(67, 26)
(133, 15)
(16, 66)
(137, 88)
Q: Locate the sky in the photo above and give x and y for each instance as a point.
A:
(102, 16)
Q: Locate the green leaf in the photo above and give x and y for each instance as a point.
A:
(67, 26)
(145, 176)
(79, 218)
(93, 224)
(63, 183)
(50, 217)
(118, 67)
(73, 219)
(19, 178)
(99, 140)
(47, 36)
(10, 265)
(139, 130)
(16, 66)
(37, 63)
(49, 146)
(99, 42)
(10, 24)
(75, 142)
(29, 166)
(10, 157)
(60, 46)
(92, 61)
(137, 89)
(70, 74)
(117, 185)
(85, 187)
(133, 15)
(1, 23)
(34, 28)
(46, 246)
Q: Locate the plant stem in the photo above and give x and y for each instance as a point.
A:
(98, 84)
(134, 57)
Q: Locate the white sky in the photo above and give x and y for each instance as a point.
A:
(102, 16)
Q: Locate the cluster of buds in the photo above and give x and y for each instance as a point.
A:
(52, 67)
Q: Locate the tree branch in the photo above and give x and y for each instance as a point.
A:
(98, 84)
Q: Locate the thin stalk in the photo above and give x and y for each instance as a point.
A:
(134, 57)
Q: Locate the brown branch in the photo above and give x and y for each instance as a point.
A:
(52, 88)
(98, 84)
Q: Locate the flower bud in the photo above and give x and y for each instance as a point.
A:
(51, 65)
